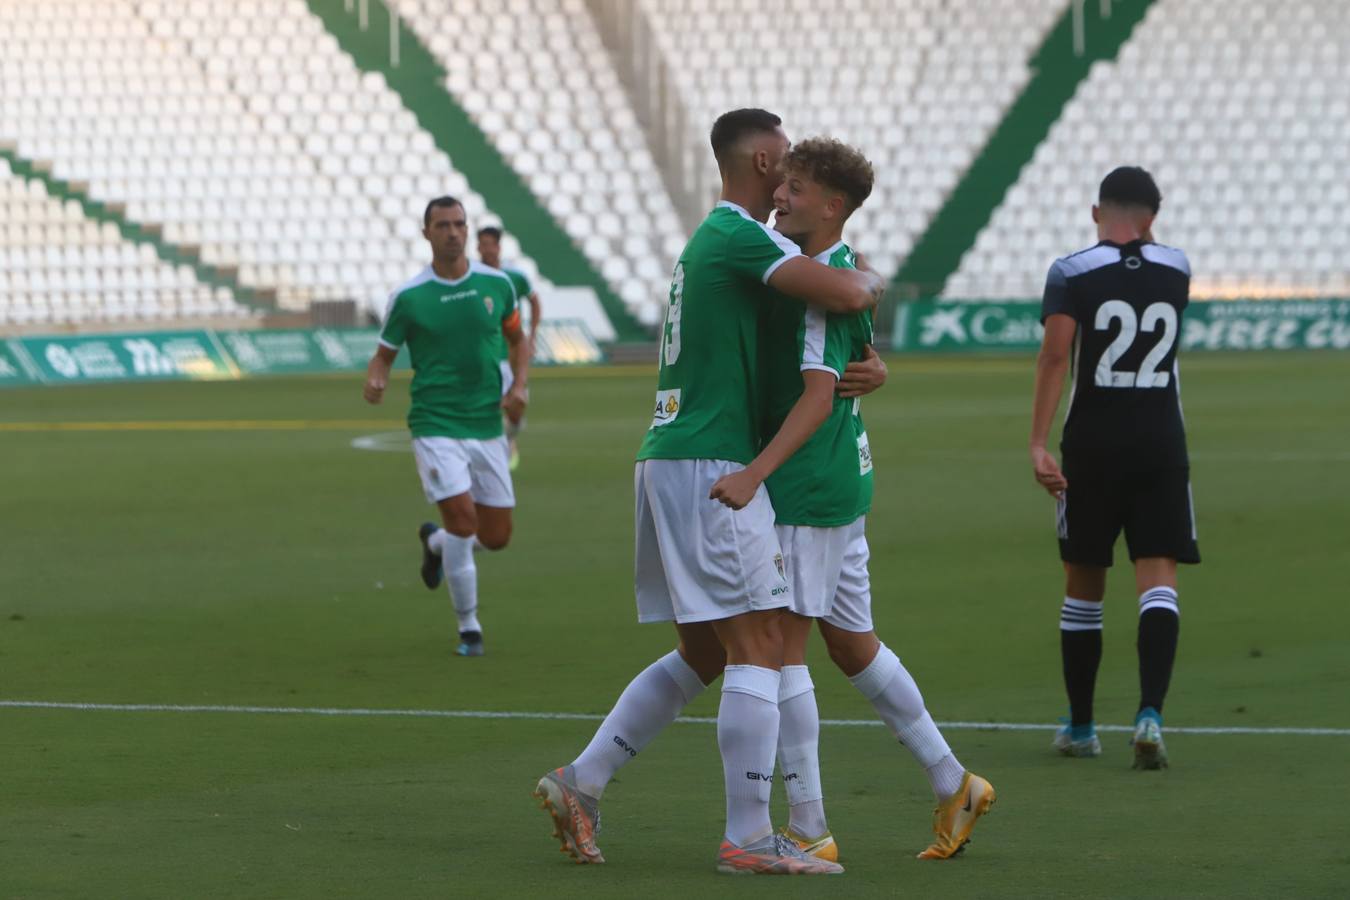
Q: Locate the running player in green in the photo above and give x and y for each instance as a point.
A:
(490, 252)
(821, 497)
(715, 568)
(454, 316)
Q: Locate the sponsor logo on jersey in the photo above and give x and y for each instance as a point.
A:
(667, 407)
(460, 295)
(864, 455)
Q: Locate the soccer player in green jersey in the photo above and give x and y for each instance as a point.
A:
(821, 497)
(715, 567)
(490, 252)
(454, 316)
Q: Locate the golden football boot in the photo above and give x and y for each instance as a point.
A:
(954, 819)
(822, 847)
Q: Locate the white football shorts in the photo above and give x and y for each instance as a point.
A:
(697, 560)
(814, 558)
(852, 607)
(450, 466)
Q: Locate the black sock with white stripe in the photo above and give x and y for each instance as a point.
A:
(1159, 624)
(1080, 644)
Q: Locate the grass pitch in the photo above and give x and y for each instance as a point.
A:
(158, 561)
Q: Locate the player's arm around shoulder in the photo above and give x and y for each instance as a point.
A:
(833, 289)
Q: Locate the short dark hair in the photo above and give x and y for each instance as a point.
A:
(834, 165)
(730, 127)
(1130, 186)
(438, 203)
(491, 231)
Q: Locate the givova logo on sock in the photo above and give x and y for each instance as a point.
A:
(623, 745)
(759, 776)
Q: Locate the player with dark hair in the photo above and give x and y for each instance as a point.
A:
(490, 252)
(454, 316)
(715, 568)
(1112, 317)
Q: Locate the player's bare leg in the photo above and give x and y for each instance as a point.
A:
(1155, 579)
(452, 546)
(799, 743)
(1080, 643)
(494, 526)
(875, 670)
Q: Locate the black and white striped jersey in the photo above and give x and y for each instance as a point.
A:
(1128, 300)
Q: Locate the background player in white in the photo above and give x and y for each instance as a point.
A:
(490, 252)
(715, 572)
(454, 316)
(821, 497)
(1112, 314)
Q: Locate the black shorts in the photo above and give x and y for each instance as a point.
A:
(1153, 507)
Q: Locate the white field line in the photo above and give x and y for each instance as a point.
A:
(595, 717)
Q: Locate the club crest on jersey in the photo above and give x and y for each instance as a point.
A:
(667, 407)
(487, 302)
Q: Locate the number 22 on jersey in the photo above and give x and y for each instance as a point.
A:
(1148, 376)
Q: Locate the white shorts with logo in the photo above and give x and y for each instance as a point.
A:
(450, 466)
(697, 560)
(828, 570)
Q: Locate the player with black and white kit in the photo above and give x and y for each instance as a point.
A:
(1112, 317)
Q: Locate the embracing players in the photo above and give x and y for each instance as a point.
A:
(1112, 318)
(821, 497)
(454, 316)
(715, 571)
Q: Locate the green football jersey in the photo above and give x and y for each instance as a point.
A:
(828, 481)
(453, 330)
(708, 387)
(521, 282)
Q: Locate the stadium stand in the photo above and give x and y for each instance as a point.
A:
(901, 81)
(59, 267)
(247, 155)
(241, 128)
(535, 77)
(1242, 112)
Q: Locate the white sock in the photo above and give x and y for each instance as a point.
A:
(799, 751)
(896, 698)
(651, 701)
(747, 730)
(461, 575)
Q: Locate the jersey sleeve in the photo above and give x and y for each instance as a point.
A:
(756, 251)
(824, 342)
(1056, 298)
(395, 331)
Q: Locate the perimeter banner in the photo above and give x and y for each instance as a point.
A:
(212, 355)
(931, 326)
